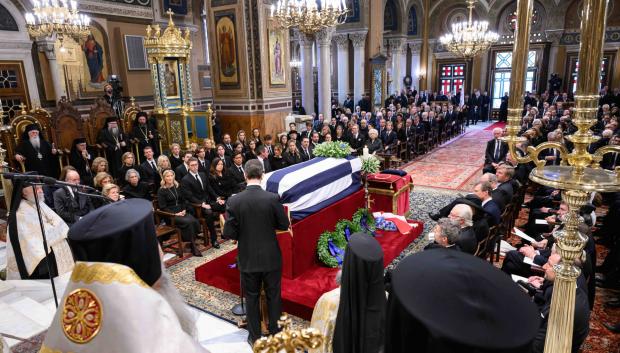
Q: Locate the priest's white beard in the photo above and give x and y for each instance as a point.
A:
(173, 297)
(35, 142)
(114, 131)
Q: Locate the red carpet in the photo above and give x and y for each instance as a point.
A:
(299, 295)
(499, 124)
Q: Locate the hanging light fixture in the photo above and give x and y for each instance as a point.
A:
(308, 16)
(470, 38)
(57, 17)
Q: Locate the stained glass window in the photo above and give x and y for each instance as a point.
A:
(452, 77)
(604, 73)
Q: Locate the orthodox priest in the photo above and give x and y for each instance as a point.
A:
(36, 153)
(145, 133)
(25, 253)
(113, 139)
(122, 287)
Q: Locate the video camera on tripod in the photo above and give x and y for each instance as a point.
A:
(116, 100)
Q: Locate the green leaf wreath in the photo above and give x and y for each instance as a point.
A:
(330, 246)
(333, 149)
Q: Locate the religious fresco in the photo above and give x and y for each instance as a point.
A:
(179, 7)
(86, 64)
(276, 57)
(226, 42)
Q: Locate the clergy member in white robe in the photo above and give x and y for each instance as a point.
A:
(119, 297)
(24, 233)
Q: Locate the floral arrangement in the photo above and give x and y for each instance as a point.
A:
(333, 149)
(331, 245)
(370, 164)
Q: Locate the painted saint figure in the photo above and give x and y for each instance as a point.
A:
(171, 82)
(227, 51)
(277, 54)
(94, 59)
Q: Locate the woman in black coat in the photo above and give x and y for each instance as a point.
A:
(170, 199)
(374, 143)
(277, 161)
(291, 156)
(220, 182)
(134, 188)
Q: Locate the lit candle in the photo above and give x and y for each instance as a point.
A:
(365, 151)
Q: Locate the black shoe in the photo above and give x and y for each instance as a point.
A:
(216, 245)
(613, 328)
(434, 216)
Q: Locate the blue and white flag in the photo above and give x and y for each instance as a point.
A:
(309, 186)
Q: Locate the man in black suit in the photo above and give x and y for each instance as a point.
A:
(498, 195)
(263, 157)
(268, 143)
(486, 105)
(475, 106)
(227, 143)
(504, 175)
(348, 103)
(463, 214)
(388, 136)
(612, 160)
(221, 154)
(495, 152)
(483, 191)
(355, 139)
(308, 132)
(236, 171)
(67, 203)
(304, 151)
(203, 164)
(183, 169)
(195, 188)
(253, 216)
(148, 168)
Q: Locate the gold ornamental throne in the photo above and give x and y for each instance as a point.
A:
(169, 53)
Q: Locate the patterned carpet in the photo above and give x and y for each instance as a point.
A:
(219, 302)
(440, 168)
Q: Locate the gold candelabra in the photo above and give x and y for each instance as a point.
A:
(289, 340)
(49, 17)
(469, 38)
(307, 15)
(580, 172)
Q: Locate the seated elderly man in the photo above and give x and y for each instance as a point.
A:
(136, 189)
(121, 284)
(25, 255)
(446, 234)
(68, 203)
(467, 241)
(495, 152)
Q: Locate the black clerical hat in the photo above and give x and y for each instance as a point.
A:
(462, 301)
(139, 114)
(32, 127)
(123, 233)
(110, 119)
(79, 140)
(474, 202)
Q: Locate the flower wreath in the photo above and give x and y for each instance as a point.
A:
(331, 245)
(333, 149)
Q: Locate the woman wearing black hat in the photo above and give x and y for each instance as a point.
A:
(81, 158)
(171, 199)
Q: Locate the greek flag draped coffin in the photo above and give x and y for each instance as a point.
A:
(309, 186)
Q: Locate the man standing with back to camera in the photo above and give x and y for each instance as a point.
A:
(253, 216)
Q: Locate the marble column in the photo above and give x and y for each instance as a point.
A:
(359, 60)
(554, 37)
(307, 84)
(415, 65)
(324, 40)
(342, 43)
(425, 50)
(397, 47)
(47, 46)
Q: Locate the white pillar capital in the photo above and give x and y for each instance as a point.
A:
(341, 40)
(324, 36)
(358, 38)
(415, 47)
(47, 46)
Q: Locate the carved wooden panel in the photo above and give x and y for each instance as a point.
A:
(68, 126)
(96, 118)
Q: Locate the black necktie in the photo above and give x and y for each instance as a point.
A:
(153, 166)
(240, 170)
(199, 181)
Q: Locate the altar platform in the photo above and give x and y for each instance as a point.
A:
(304, 278)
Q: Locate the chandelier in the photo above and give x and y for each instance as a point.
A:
(59, 17)
(470, 38)
(307, 16)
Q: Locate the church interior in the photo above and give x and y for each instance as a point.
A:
(310, 175)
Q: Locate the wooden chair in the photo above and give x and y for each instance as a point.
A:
(168, 230)
(404, 150)
(68, 125)
(129, 116)
(483, 246)
(203, 222)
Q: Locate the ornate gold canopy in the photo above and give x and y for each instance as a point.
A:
(173, 42)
